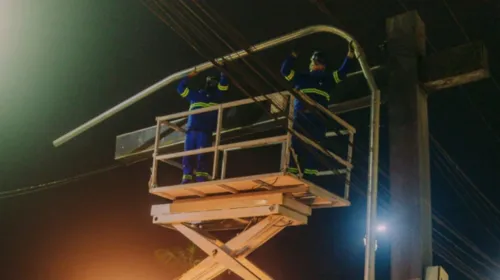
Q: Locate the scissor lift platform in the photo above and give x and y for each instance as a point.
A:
(230, 204)
(259, 205)
(300, 189)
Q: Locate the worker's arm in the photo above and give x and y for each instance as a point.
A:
(183, 88)
(223, 85)
(287, 67)
(340, 74)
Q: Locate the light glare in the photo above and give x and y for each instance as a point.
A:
(381, 228)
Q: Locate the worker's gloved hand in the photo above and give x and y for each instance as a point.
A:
(192, 74)
(350, 52)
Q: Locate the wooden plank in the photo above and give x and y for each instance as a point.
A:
(264, 185)
(297, 206)
(295, 217)
(247, 189)
(226, 202)
(197, 192)
(456, 66)
(324, 197)
(250, 200)
(160, 209)
(248, 195)
(228, 188)
(239, 184)
(227, 214)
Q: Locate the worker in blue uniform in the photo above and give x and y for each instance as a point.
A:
(316, 84)
(200, 127)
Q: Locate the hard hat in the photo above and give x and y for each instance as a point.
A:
(211, 81)
(318, 58)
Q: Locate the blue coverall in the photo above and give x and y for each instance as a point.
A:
(200, 127)
(317, 85)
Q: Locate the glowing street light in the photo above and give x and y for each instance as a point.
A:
(380, 228)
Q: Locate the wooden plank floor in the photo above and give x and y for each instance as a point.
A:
(302, 190)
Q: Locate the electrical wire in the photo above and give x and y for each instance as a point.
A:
(458, 264)
(56, 183)
(463, 175)
(465, 195)
(458, 248)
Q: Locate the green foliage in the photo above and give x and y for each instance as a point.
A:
(188, 256)
(179, 260)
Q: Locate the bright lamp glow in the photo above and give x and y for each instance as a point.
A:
(381, 228)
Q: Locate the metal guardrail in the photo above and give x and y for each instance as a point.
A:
(284, 140)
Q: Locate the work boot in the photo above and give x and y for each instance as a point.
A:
(310, 174)
(292, 170)
(202, 177)
(187, 179)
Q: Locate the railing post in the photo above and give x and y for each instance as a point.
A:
(349, 159)
(224, 165)
(285, 160)
(217, 142)
(153, 182)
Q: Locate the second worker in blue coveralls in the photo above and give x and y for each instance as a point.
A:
(200, 127)
(316, 84)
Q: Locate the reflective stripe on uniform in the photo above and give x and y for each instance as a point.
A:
(187, 177)
(311, 171)
(185, 92)
(336, 77)
(292, 170)
(290, 76)
(222, 88)
(316, 91)
(198, 105)
(202, 174)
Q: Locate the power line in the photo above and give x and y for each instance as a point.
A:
(458, 248)
(458, 264)
(55, 184)
(464, 176)
(467, 197)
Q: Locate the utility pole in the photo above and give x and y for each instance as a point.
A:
(412, 76)
(409, 149)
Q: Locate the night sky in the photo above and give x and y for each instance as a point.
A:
(64, 62)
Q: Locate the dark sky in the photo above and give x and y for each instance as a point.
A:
(63, 62)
